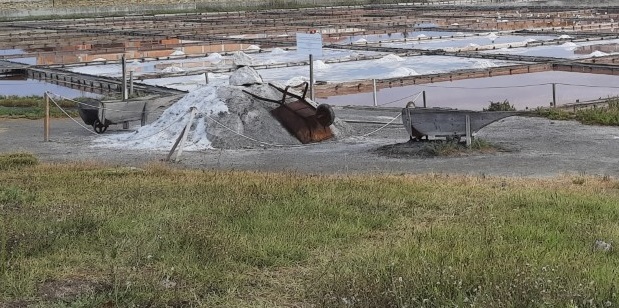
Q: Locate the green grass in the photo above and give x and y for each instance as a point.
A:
(17, 160)
(33, 107)
(159, 236)
(608, 116)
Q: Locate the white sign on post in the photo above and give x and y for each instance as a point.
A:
(309, 44)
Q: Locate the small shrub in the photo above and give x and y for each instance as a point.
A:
(500, 106)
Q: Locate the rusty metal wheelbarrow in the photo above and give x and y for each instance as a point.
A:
(306, 121)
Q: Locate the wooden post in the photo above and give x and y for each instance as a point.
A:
(554, 95)
(46, 119)
(131, 83)
(468, 131)
(311, 73)
(182, 137)
(144, 115)
(124, 77)
(206, 77)
(424, 99)
(374, 92)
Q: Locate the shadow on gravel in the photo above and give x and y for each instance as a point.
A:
(437, 148)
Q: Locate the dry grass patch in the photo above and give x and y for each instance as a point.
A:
(159, 236)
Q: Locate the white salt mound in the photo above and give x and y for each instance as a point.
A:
(568, 44)
(402, 71)
(492, 36)
(240, 58)
(226, 117)
(172, 69)
(245, 76)
(390, 58)
(320, 65)
(565, 36)
(177, 53)
(295, 81)
(360, 41)
(253, 47)
(215, 57)
(598, 53)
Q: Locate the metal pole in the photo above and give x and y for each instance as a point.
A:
(424, 99)
(206, 77)
(131, 83)
(554, 95)
(46, 119)
(374, 92)
(311, 73)
(124, 73)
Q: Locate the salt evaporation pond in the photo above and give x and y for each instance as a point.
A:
(390, 66)
(491, 39)
(31, 87)
(566, 50)
(375, 38)
(214, 61)
(523, 91)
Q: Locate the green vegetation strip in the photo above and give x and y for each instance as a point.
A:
(89, 235)
(33, 107)
(594, 116)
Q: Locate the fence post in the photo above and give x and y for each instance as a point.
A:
(131, 83)
(554, 95)
(46, 119)
(374, 92)
(124, 73)
(468, 131)
(182, 137)
(424, 99)
(311, 73)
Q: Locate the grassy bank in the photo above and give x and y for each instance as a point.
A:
(89, 235)
(608, 115)
(33, 107)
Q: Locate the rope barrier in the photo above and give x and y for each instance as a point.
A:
(376, 130)
(397, 100)
(70, 117)
(160, 131)
(78, 102)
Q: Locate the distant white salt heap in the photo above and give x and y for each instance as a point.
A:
(226, 117)
(214, 57)
(598, 53)
(390, 58)
(172, 69)
(240, 58)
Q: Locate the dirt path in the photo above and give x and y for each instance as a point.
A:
(537, 148)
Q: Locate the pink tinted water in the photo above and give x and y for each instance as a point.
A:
(523, 91)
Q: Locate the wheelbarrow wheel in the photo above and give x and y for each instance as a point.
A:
(325, 114)
(99, 127)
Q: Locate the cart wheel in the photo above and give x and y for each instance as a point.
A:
(325, 114)
(98, 127)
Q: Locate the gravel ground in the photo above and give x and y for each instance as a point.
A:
(536, 147)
